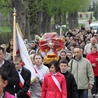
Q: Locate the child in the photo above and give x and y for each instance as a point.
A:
(70, 81)
(3, 84)
(54, 84)
(41, 71)
(25, 76)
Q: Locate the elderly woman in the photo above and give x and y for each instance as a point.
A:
(93, 58)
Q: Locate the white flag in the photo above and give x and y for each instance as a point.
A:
(21, 48)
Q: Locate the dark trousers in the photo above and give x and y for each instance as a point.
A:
(83, 93)
(95, 87)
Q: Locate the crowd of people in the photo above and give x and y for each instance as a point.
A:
(71, 76)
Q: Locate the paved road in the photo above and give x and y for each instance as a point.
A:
(83, 22)
(86, 22)
(89, 94)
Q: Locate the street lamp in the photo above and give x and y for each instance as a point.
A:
(58, 26)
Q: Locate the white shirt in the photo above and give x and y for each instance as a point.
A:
(42, 71)
(2, 95)
(19, 71)
(2, 64)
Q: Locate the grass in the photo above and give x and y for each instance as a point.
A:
(79, 25)
(5, 29)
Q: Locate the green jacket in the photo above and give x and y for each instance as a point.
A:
(82, 71)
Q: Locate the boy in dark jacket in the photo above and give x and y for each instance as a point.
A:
(25, 77)
(70, 81)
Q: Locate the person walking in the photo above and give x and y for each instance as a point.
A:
(54, 84)
(41, 70)
(72, 91)
(21, 91)
(13, 78)
(82, 71)
(3, 84)
(93, 58)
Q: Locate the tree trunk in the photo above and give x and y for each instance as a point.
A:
(64, 19)
(21, 15)
(48, 24)
(57, 21)
(45, 23)
(73, 20)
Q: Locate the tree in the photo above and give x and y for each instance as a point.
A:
(96, 11)
(35, 16)
(5, 6)
(92, 6)
(77, 5)
(21, 7)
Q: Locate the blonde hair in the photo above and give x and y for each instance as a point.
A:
(32, 56)
(17, 58)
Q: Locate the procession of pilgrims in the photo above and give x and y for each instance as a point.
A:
(64, 66)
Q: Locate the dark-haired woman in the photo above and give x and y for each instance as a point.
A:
(10, 46)
(54, 84)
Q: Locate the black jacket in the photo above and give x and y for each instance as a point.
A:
(13, 77)
(21, 92)
(72, 91)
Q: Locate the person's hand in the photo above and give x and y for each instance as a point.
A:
(41, 79)
(15, 95)
(90, 86)
(93, 65)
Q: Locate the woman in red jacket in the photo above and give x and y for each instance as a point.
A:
(54, 84)
(93, 58)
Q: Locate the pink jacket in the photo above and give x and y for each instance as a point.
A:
(48, 91)
(92, 58)
(8, 95)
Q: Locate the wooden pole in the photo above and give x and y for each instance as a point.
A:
(14, 33)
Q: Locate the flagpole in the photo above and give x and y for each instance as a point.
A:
(14, 33)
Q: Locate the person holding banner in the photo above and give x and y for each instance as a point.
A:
(21, 90)
(41, 71)
(54, 84)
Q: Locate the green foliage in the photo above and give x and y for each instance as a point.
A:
(6, 29)
(96, 11)
(5, 6)
(92, 7)
(51, 7)
(55, 6)
(84, 6)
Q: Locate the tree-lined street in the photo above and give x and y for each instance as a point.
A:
(51, 30)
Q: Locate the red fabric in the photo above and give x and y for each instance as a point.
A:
(55, 86)
(18, 52)
(92, 58)
(48, 91)
(21, 85)
(23, 63)
(57, 42)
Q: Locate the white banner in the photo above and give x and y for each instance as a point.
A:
(21, 47)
